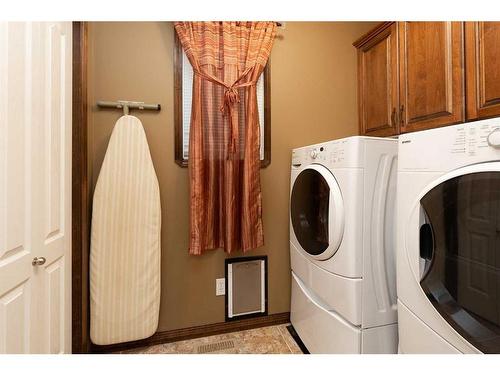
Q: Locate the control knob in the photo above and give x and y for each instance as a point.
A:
(494, 138)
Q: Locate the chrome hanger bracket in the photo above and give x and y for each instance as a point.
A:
(127, 105)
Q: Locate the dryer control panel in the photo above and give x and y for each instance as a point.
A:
(346, 152)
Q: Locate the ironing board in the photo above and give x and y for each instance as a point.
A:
(125, 240)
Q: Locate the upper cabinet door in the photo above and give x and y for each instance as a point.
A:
(378, 81)
(482, 54)
(431, 74)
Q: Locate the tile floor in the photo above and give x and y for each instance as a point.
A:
(265, 340)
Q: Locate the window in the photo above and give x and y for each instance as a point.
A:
(183, 87)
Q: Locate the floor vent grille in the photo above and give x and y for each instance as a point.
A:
(216, 347)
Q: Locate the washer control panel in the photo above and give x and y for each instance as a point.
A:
(450, 147)
(474, 139)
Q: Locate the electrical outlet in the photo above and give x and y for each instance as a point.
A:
(220, 287)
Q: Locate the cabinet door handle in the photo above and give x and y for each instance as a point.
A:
(401, 114)
(393, 116)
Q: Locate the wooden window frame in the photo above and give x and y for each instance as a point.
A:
(178, 115)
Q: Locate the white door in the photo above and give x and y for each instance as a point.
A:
(35, 187)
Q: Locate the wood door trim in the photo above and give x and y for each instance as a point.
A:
(455, 102)
(80, 193)
(194, 332)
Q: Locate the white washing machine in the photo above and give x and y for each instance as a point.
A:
(342, 206)
(448, 242)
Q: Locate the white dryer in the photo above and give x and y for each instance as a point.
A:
(342, 206)
(448, 243)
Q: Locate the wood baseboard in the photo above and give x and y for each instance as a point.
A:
(194, 332)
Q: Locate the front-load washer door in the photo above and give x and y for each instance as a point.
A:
(317, 212)
(459, 244)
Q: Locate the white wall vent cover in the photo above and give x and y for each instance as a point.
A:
(246, 287)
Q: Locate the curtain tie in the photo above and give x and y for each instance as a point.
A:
(231, 97)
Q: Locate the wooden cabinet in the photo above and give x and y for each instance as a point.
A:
(482, 58)
(378, 82)
(430, 74)
(410, 77)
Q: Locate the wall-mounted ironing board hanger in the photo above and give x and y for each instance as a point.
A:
(128, 105)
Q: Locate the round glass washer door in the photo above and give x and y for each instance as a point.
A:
(459, 243)
(317, 212)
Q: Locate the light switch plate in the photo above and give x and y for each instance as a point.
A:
(220, 287)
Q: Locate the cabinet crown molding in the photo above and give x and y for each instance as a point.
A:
(365, 38)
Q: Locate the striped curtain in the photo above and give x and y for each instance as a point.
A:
(224, 158)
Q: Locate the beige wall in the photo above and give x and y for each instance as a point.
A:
(313, 84)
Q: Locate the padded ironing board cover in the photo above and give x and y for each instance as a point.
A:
(125, 240)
